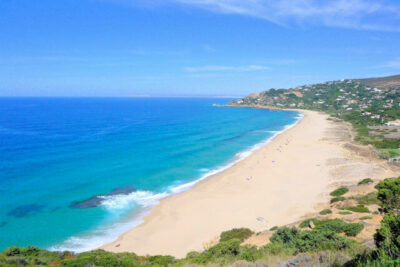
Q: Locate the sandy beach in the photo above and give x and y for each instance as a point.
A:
(276, 185)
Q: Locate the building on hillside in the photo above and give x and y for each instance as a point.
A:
(395, 159)
(393, 123)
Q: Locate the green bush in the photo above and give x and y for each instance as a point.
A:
(12, 251)
(238, 233)
(339, 226)
(161, 260)
(344, 212)
(224, 248)
(30, 251)
(249, 253)
(192, 254)
(388, 194)
(104, 258)
(365, 181)
(359, 208)
(387, 238)
(277, 248)
(367, 199)
(339, 192)
(285, 236)
(372, 259)
(353, 229)
(314, 240)
(366, 218)
(325, 211)
(317, 240)
(337, 199)
(274, 228)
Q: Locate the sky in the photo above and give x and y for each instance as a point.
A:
(191, 47)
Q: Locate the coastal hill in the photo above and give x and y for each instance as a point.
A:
(371, 105)
(382, 82)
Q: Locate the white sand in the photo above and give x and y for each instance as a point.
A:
(283, 187)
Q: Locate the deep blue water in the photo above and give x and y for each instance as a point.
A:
(54, 151)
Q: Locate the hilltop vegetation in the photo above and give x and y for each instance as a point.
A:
(370, 109)
(383, 82)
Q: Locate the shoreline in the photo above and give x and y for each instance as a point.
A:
(243, 195)
(74, 243)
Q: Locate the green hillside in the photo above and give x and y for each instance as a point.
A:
(373, 111)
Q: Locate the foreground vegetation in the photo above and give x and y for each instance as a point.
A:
(329, 240)
(285, 242)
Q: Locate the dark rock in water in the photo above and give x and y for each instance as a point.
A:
(122, 191)
(96, 201)
(88, 203)
(25, 210)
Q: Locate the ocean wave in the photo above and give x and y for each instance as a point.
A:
(141, 198)
(99, 237)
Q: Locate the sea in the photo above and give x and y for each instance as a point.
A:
(75, 173)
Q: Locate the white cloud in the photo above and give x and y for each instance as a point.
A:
(381, 15)
(394, 64)
(208, 48)
(216, 68)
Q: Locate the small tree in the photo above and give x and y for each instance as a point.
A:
(389, 195)
(387, 238)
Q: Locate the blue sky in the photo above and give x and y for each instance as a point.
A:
(191, 47)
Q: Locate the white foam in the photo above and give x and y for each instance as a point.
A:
(142, 198)
(99, 237)
(146, 200)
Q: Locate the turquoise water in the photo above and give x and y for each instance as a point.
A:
(55, 151)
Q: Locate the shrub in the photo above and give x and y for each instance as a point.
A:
(285, 235)
(325, 211)
(313, 240)
(192, 254)
(359, 208)
(339, 226)
(337, 199)
(12, 251)
(30, 251)
(274, 228)
(344, 212)
(365, 181)
(353, 229)
(238, 233)
(368, 199)
(340, 191)
(387, 238)
(388, 194)
(224, 248)
(366, 218)
(161, 260)
(249, 253)
(277, 248)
